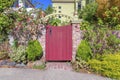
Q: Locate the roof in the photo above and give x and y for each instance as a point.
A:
(27, 3)
(63, 1)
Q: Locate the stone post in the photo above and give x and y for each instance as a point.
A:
(76, 35)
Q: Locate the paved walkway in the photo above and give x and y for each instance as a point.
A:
(49, 74)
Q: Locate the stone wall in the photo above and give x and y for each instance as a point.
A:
(76, 38)
(42, 40)
(24, 34)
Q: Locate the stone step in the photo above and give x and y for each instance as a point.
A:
(59, 65)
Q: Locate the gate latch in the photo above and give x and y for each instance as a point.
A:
(50, 30)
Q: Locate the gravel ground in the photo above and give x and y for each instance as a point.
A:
(32, 74)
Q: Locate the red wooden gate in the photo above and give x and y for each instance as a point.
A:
(59, 43)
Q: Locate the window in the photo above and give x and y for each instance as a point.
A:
(79, 5)
(59, 7)
(59, 16)
(59, 11)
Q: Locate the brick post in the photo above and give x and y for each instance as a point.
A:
(76, 37)
(42, 41)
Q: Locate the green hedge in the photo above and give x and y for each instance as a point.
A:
(84, 51)
(34, 50)
(108, 65)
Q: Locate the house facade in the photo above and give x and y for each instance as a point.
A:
(67, 7)
(23, 3)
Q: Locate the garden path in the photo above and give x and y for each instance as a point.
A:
(48, 74)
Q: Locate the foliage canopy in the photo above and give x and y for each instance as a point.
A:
(6, 18)
(5, 4)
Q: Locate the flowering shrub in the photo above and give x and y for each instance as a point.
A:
(112, 17)
(27, 27)
(107, 65)
(4, 50)
(19, 54)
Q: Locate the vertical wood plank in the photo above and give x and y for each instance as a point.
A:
(59, 43)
